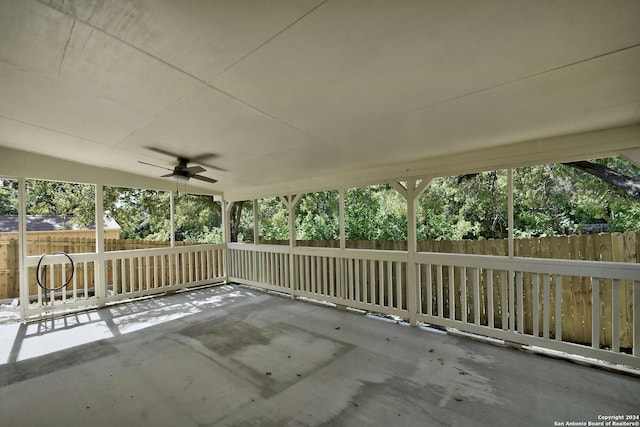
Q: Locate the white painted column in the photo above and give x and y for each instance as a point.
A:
(510, 220)
(226, 237)
(343, 230)
(22, 246)
(172, 219)
(412, 248)
(511, 293)
(256, 223)
(291, 201)
(411, 193)
(100, 277)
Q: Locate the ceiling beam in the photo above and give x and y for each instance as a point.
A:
(565, 148)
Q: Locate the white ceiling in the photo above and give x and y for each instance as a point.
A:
(288, 90)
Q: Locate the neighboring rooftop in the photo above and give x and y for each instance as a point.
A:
(9, 223)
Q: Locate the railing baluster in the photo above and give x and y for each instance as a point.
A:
(52, 276)
(463, 291)
(440, 291)
(504, 300)
(399, 284)
(615, 315)
(535, 296)
(429, 290)
(558, 301)
(419, 284)
(390, 302)
(520, 293)
(476, 295)
(86, 279)
(325, 281)
(312, 273)
(381, 296)
(546, 307)
(332, 285)
(595, 312)
(138, 264)
(636, 318)
(356, 279)
(74, 294)
(452, 293)
(372, 281)
(490, 314)
(132, 271)
(365, 281)
(307, 271)
(63, 274)
(123, 275)
(173, 266)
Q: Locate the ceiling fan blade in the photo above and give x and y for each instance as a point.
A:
(156, 166)
(210, 166)
(204, 156)
(161, 151)
(167, 175)
(204, 178)
(194, 169)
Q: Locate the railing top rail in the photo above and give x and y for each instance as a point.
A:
(600, 269)
(33, 260)
(263, 247)
(160, 251)
(364, 254)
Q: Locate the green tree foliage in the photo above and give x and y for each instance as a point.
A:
(273, 219)
(62, 199)
(8, 197)
(548, 200)
(197, 219)
(558, 199)
(317, 216)
(145, 214)
(375, 213)
(141, 214)
(454, 208)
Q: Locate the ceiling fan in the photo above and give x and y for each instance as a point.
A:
(182, 172)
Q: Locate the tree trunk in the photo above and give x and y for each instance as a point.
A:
(626, 184)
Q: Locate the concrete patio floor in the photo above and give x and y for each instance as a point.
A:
(231, 356)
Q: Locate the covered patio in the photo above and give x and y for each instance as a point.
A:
(233, 356)
(242, 101)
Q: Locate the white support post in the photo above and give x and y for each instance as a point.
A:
(226, 221)
(290, 202)
(172, 219)
(100, 277)
(510, 222)
(22, 245)
(343, 230)
(226, 237)
(256, 224)
(411, 193)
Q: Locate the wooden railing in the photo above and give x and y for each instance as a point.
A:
(589, 308)
(101, 279)
(524, 300)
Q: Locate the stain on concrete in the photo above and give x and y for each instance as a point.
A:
(226, 338)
